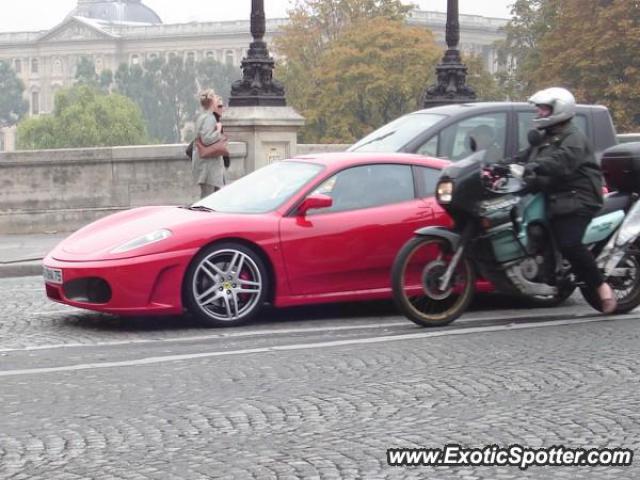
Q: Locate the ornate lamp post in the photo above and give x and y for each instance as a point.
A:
(257, 87)
(451, 73)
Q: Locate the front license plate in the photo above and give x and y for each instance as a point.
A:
(52, 275)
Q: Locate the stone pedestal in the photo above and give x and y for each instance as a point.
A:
(7, 139)
(270, 133)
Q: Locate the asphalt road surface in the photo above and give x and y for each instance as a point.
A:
(309, 393)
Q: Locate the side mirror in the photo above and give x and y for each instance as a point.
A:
(316, 200)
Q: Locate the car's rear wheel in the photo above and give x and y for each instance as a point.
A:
(225, 285)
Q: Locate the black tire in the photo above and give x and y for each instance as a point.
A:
(626, 290)
(425, 310)
(225, 285)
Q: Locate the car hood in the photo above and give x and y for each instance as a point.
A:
(97, 240)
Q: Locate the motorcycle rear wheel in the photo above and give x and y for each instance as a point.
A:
(626, 290)
(416, 269)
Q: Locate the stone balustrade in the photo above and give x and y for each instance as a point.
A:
(61, 190)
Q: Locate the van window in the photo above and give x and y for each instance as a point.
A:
(488, 130)
(525, 123)
(395, 135)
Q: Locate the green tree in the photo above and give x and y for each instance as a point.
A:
(520, 52)
(307, 40)
(166, 91)
(484, 83)
(86, 75)
(143, 86)
(179, 90)
(374, 72)
(597, 62)
(84, 116)
(12, 105)
(213, 74)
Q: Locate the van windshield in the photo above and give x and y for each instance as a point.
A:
(395, 135)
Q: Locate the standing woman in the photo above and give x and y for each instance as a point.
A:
(208, 173)
(217, 111)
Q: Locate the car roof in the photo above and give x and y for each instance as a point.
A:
(338, 160)
(480, 106)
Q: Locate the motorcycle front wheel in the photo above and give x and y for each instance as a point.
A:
(415, 275)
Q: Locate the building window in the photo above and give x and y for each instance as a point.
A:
(35, 103)
(2, 147)
(135, 60)
(57, 67)
(153, 56)
(34, 65)
(17, 65)
(229, 58)
(98, 65)
(210, 54)
(191, 56)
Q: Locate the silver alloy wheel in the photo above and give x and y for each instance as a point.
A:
(227, 285)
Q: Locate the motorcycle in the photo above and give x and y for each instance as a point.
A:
(501, 233)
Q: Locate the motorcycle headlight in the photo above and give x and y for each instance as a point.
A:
(147, 239)
(444, 192)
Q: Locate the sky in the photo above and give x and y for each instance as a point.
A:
(32, 15)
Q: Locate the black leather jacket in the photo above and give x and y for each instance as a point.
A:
(565, 169)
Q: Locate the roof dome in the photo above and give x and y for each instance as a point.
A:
(116, 11)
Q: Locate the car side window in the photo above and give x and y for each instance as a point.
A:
(430, 148)
(489, 132)
(367, 186)
(427, 180)
(525, 123)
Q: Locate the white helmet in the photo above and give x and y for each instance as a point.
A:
(562, 103)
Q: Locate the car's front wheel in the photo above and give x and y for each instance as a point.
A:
(225, 285)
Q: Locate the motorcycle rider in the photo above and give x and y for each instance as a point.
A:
(561, 163)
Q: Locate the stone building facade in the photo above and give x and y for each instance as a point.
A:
(111, 32)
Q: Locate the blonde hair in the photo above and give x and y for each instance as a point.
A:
(207, 97)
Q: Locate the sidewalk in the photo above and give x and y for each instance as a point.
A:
(21, 255)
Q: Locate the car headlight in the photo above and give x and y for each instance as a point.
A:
(147, 239)
(444, 192)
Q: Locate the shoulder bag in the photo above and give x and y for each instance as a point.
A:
(217, 149)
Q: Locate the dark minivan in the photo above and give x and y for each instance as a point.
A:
(444, 132)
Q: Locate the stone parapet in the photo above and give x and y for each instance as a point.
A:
(48, 191)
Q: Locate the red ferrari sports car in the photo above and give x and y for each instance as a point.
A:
(311, 229)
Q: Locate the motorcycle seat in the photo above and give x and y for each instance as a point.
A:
(615, 201)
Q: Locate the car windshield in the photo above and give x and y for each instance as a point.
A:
(395, 135)
(263, 190)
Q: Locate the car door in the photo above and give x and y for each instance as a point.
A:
(351, 245)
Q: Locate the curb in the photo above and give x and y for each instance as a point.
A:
(21, 269)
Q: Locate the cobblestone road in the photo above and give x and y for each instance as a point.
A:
(311, 412)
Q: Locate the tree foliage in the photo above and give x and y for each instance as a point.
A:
(318, 35)
(219, 76)
(374, 72)
(520, 51)
(592, 50)
(84, 116)
(166, 91)
(12, 105)
(483, 83)
(86, 75)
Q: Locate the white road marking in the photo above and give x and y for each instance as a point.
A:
(300, 346)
